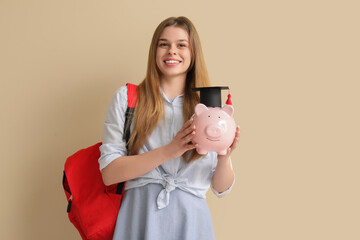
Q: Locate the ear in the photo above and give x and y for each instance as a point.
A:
(228, 109)
(199, 108)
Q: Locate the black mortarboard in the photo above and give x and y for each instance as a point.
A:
(210, 96)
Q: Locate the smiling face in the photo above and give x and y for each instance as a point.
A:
(173, 53)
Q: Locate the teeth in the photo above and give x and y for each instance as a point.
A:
(172, 61)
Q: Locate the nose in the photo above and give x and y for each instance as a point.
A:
(213, 131)
(172, 50)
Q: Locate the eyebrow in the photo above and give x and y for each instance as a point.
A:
(180, 40)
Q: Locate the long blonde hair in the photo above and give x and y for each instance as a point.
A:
(150, 106)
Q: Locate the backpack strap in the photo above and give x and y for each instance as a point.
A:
(68, 192)
(132, 96)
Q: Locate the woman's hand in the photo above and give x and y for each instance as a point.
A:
(223, 177)
(182, 141)
(232, 146)
(130, 167)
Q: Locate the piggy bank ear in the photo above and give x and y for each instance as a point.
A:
(228, 109)
(199, 108)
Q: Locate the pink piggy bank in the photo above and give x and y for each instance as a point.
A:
(215, 128)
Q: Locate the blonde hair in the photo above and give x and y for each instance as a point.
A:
(150, 106)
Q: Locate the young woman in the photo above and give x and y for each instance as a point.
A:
(166, 178)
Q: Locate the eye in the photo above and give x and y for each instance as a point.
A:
(182, 45)
(209, 116)
(218, 116)
(163, 44)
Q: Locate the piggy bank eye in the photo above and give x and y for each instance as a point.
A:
(209, 116)
(218, 116)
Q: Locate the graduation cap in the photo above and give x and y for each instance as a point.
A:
(211, 96)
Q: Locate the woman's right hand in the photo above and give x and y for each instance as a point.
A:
(182, 141)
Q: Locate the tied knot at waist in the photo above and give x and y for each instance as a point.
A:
(169, 183)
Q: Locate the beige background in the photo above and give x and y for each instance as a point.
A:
(293, 68)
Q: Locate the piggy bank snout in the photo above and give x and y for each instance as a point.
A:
(213, 131)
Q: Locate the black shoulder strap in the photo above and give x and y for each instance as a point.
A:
(132, 96)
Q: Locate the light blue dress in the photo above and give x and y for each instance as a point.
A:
(167, 203)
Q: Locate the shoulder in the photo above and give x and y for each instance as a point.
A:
(121, 92)
(118, 102)
(120, 96)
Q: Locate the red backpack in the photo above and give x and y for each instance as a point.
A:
(92, 206)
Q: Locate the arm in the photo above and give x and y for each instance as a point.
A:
(129, 167)
(224, 175)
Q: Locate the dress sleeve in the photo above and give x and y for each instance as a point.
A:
(221, 194)
(113, 145)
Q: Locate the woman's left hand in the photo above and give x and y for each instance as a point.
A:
(224, 175)
(233, 145)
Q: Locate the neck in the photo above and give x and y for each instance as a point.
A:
(173, 87)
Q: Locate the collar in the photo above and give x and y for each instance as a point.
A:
(177, 98)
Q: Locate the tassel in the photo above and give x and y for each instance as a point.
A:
(228, 101)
